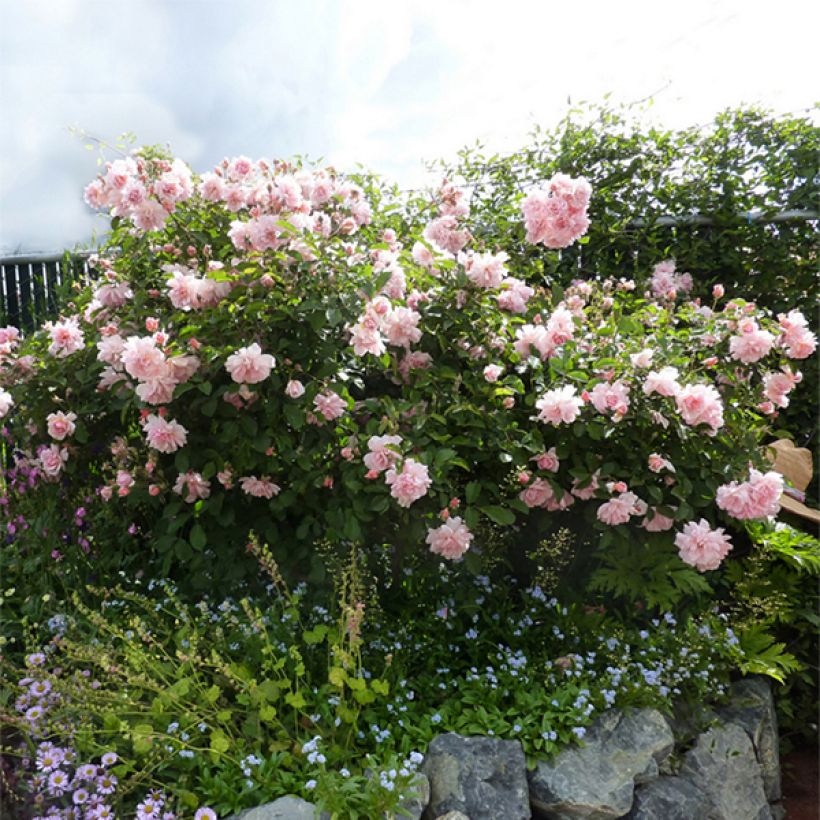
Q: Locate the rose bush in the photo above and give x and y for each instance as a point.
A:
(299, 353)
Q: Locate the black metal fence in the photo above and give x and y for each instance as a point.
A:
(32, 288)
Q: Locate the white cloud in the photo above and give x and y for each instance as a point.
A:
(355, 81)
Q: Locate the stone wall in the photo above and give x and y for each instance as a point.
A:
(703, 764)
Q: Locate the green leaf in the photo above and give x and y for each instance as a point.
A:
(198, 537)
(500, 515)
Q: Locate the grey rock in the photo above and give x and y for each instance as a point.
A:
(453, 815)
(669, 798)
(752, 708)
(778, 811)
(597, 781)
(412, 807)
(482, 777)
(285, 808)
(723, 766)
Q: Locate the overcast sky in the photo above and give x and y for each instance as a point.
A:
(385, 83)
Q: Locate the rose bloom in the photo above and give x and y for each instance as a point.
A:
(381, 457)
(655, 522)
(751, 345)
(142, 358)
(167, 436)
(547, 461)
(249, 365)
(52, 460)
(109, 349)
(492, 372)
(663, 382)
(195, 485)
(330, 405)
(259, 487)
(618, 510)
(538, 494)
(562, 405)
(400, 327)
(485, 270)
(66, 337)
(61, 424)
(410, 484)
(700, 404)
(658, 463)
(611, 397)
(759, 497)
(451, 540)
(560, 326)
(642, 359)
(529, 336)
(777, 386)
(159, 390)
(294, 389)
(6, 402)
(701, 546)
(515, 295)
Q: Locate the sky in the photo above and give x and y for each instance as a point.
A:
(388, 84)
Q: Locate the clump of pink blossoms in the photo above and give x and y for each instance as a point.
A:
(331, 405)
(667, 282)
(249, 365)
(751, 344)
(60, 424)
(797, 339)
(410, 484)
(167, 436)
(66, 337)
(259, 487)
(382, 455)
(560, 406)
(557, 216)
(451, 540)
(702, 547)
(759, 497)
(701, 404)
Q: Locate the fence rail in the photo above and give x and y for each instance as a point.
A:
(32, 287)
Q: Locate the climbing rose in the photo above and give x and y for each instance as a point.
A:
(53, 459)
(167, 436)
(656, 522)
(196, 486)
(295, 389)
(759, 497)
(701, 546)
(259, 487)
(249, 365)
(515, 295)
(663, 382)
(66, 337)
(612, 398)
(61, 424)
(752, 344)
(538, 494)
(401, 327)
(451, 540)
(547, 461)
(618, 509)
(142, 358)
(381, 457)
(330, 405)
(560, 405)
(410, 484)
(6, 402)
(485, 270)
(557, 216)
(700, 404)
(798, 340)
(492, 372)
(777, 386)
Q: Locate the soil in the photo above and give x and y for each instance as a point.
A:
(801, 797)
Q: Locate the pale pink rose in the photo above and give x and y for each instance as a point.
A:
(249, 365)
(410, 484)
(445, 234)
(492, 372)
(211, 187)
(619, 509)
(658, 463)
(382, 456)
(225, 478)
(124, 481)
(414, 360)
(655, 522)
(110, 349)
(532, 336)
(366, 338)
(560, 406)
(52, 459)
(61, 424)
(142, 358)
(66, 337)
(400, 327)
(422, 255)
(113, 295)
(701, 546)
(666, 283)
(515, 295)
(556, 504)
(752, 344)
(193, 485)
(259, 487)
(560, 327)
(451, 540)
(700, 404)
(558, 216)
(547, 461)
(159, 390)
(484, 270)
(183, 367)
(538, 494)
(330, 405)
(396, 285)
(777, 386)
(164, 435)
(611, 398)
(642, 359)
(718, 291)
(759, 497)
(149, 215)
(295, 389)
(663, 382)
(184, 290)
(6, 402)
(110, 376)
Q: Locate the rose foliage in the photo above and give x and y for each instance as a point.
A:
(306, 355)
